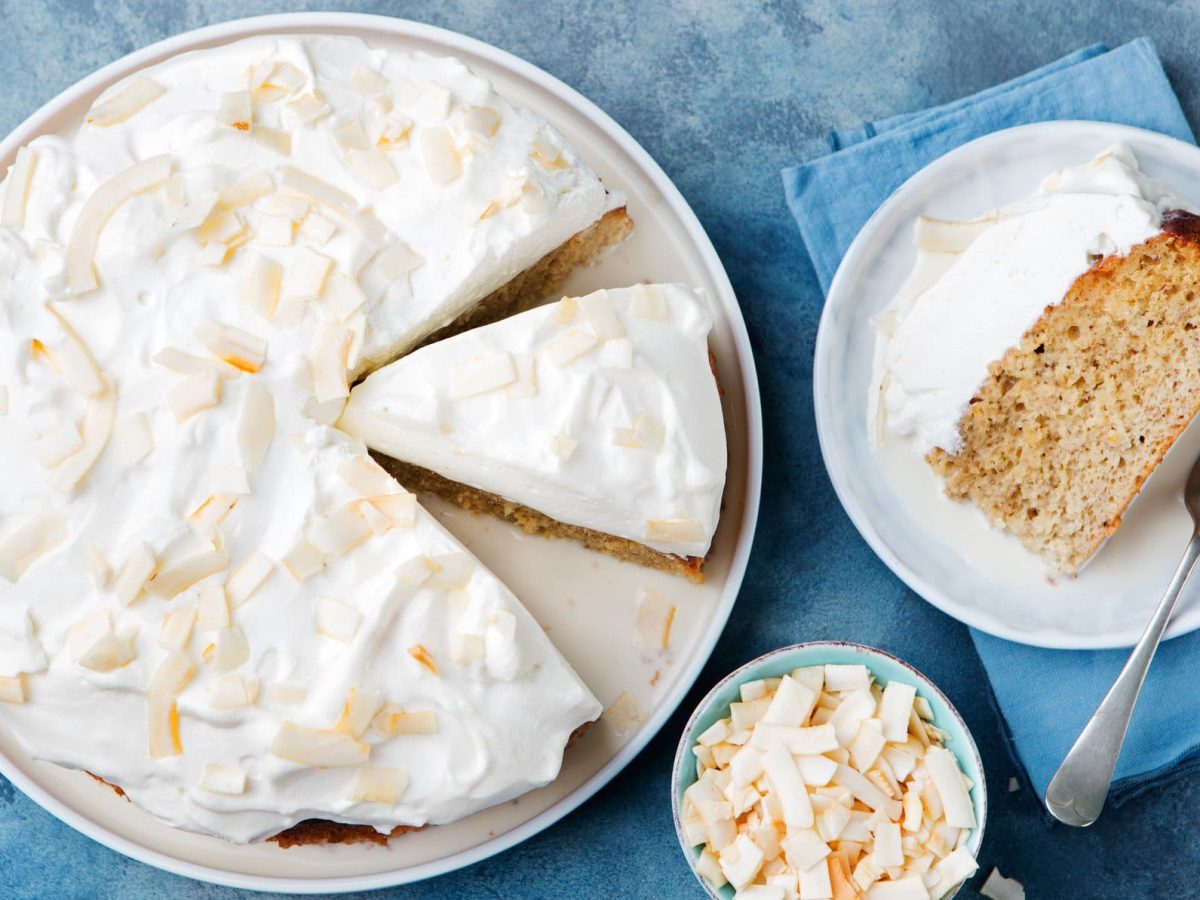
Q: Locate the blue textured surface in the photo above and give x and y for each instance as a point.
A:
(723, 96)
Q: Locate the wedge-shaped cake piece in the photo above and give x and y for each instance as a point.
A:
(596, 418)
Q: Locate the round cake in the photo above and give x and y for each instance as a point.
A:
(249, 620)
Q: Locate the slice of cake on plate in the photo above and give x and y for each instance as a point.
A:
(252, 624)
(1045, 359)
(596, 418)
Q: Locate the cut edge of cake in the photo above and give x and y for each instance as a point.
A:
(1058, 482)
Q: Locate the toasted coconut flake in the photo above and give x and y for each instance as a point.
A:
(135, 95)
(224, 779)
(308, 108)
(453, 570)
(434, 102)
(212, 607)
(624, 715)
(16, 194)
(302, 561)
(350, 136)
(317, 230)
(654, 618)
(214, 255)
(133, 575)
(194, 214)
(236, 110)
(675, 531)
(343, 296)
(393, 722)
(367, 477)
(339, 533)
(134, 439)
(563, 446)
(548, 154)
(367, 81)
(397, 260)
(438, 153)
(481, 120)
(423, 657)
(372, 167)
(190, 364)
(600, 311)
(570, 345)
(162, 728)
(223, 227)
(483, 375)
(239, 348)
(245, 190)
(248, 578)
(256, 425)
(526, 383)
(274, 81)
(305, 277)
(13, 689)
(330, 347)
(273, 139)
(176, 628)
(415, 572)
(290, 206)
(98, 567)
(233, 691)
(211, 512)
(649, 302)
(274, 231)
(360, 708)
(187, 560)
(617, 354)
(55, 445)
(646, 433)
(337, 620)
(315, 189)
(260, 289)
(318, 748)
(194, 394)
(74, 361)
(394, 130)
(377, 784)
(227, 651)
(34, 538)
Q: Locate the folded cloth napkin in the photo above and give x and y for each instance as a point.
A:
(832, 197)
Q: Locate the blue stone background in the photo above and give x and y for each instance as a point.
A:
(723, 95)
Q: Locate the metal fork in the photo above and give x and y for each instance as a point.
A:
(1078, 789)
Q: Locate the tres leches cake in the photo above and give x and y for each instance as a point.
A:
(596, 418)
(210, 597)
(1044, 359)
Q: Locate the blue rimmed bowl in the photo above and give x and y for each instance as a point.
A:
(883, 666)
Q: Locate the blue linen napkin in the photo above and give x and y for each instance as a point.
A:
(832, 197)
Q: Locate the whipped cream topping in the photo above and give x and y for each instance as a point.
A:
(979, 286)
(600, 411)
(248, 620)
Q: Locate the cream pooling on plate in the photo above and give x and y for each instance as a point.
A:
(979, 286)
(599, 411)
(250, 623)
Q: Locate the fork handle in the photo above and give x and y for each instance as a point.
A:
(1078, 789)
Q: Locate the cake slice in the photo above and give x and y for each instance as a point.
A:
(596, 418)
(1069, 423)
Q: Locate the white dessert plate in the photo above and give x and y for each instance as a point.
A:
(585, 601)
(944, 550)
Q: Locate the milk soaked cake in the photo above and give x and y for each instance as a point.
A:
(252, 623)
(1044, 359)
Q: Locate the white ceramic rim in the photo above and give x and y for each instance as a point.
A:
(834, 464)
(282, 23)
(682, 752)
